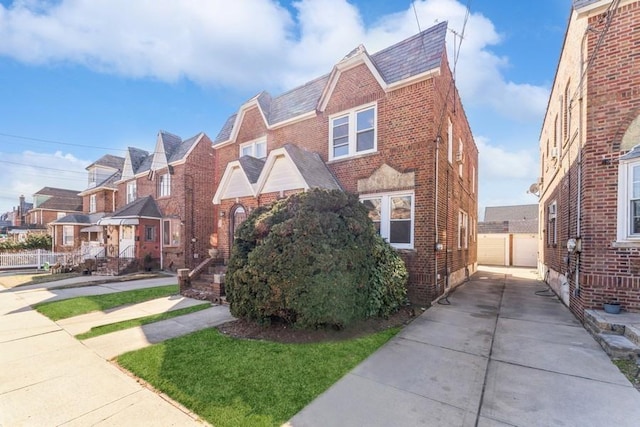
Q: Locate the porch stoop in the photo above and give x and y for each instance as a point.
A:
(618, 334)
(204, 282)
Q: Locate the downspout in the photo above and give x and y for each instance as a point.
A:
(436, 245)
(161, 244)
(579, 163)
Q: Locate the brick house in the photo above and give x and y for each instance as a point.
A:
(80, 229)
(163, 212)
(590, 160)
(50, 204)
(388, 126)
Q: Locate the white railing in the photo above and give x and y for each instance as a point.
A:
(128, 252)
(37, 258)
(92, 250)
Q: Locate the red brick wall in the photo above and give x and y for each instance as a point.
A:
(613, 101)
(409, 119)
(104, 201)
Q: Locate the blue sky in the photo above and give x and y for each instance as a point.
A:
(83, 78)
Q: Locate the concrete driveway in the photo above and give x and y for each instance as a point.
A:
(498, 355)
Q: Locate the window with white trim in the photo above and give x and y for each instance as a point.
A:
(393, 216)
(149, 233)
(164, 185)
(629, 200)
(171, 232)
(463, 230)
(353, 132)
(60, 215)
(257, 149)
(552, 228)
(460, 155)
(67, 235)
(92, 203)
(132, 191)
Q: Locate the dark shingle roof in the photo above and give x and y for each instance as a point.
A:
(110, 161)
(510, 219)
(171, 142)
(183, 148)
(60, 199)
(80, 219)
(313, 169)
(408, 58)
(145, 207)
(413, 56)
(493, 227)
(511, 213)
(137, 157)
(251, 167)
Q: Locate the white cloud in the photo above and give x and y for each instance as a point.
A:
(497, 162)
(250, 43)
(26, 172)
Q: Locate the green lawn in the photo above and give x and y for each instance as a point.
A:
(126, 324)
(56, 310)
(234, 382)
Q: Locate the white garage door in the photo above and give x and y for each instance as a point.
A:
(525, 250)
(492, 249)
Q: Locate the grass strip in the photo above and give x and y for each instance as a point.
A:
(126, 324)
(232, 382)
(56, 310)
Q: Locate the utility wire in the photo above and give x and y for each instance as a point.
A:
(49, 141)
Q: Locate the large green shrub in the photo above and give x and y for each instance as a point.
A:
(313, 259)
(33, 241)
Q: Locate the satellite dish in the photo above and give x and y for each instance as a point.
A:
(534, 188)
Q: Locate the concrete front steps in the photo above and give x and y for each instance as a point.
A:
(618, 334)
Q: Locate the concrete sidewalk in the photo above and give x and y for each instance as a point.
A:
(498, 355)
(47, 377)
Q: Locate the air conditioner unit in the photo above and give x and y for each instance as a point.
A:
(554, 153)
(460, 157)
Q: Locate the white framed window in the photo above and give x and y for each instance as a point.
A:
(92, 203)
(164, 185)
(149, 233)
(353, 132)
(449, 140)
(132, 191)
(629, 199)
(257, 149)
(171, 232)
(552, 228)
(393, 216)
(67, 235)
(60, 215)
(463, 230)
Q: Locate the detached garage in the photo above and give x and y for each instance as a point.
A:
(509, 236)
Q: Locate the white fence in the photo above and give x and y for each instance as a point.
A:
(37, 259)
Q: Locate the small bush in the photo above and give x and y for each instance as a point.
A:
(33, 241)
(313, 259)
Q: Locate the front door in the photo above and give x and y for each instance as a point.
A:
(127, 241)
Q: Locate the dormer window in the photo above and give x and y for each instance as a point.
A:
(353, 132)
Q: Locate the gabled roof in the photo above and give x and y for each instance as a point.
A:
(312, 168)
(403, 63)
(137, 157)
(142, 207)
(184, 148)
(294, 167)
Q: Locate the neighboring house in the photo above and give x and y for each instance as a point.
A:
(590, 159)
(163, 204)
(509, 236)
(388, 126)
(80, 230)
(19, 214)
(51, 204)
